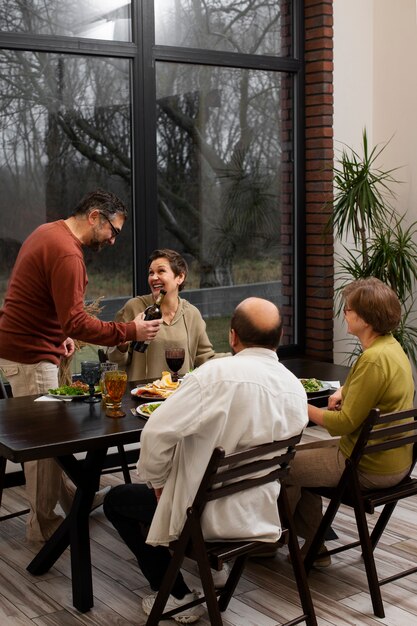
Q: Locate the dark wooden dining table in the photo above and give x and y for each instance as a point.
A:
(32, 430)
(303, 367)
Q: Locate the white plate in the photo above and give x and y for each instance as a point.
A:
(324, 387)
(143, 413)
(60, 396)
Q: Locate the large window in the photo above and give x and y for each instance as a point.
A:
(64, 129)
(250, 27)
(96, 19)
(189, 110)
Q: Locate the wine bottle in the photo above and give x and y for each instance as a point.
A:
(152, 312)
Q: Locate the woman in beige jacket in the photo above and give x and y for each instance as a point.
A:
(182, 324)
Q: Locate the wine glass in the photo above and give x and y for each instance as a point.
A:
(175, 360)
(90, 374)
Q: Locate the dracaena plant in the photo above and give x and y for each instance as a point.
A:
(384, 246)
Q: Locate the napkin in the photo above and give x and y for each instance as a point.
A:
(334, 384)
(49, 399)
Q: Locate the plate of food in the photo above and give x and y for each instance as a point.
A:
(75, 390)
(146, 410)
(314, 386)
(159, 389)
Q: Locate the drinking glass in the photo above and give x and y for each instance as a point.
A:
(107, 366)
(175, 360)
(115, 382)
(90, 374)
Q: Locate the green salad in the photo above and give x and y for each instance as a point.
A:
(311, 384)
(69, 390)
(149, 408)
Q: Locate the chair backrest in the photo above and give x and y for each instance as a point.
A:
(227, 474)
(380, 432)
(3, 391)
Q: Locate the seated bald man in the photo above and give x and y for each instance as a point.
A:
(235, 402)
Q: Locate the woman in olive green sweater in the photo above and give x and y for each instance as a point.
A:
(382, 378)
(182, 323)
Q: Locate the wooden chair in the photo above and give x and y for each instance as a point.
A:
(3, 463)
(379, 432)
(226, 475)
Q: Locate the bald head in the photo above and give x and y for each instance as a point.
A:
(257, 323)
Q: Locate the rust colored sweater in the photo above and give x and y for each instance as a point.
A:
(44, 303)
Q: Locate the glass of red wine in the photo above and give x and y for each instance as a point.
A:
(175, 360)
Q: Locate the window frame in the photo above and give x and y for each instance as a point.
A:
(144, 54)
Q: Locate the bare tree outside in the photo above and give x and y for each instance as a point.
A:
(223, 136)
(243, 26)
(219, 155)
(99, 19)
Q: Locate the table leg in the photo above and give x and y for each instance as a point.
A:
(74, 530)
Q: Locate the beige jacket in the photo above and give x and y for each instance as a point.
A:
(187, 330)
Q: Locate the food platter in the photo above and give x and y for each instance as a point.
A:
(146, 410)
(63, 396)
(159, 389)
(315, 387)
(143, 394)
(70, 392)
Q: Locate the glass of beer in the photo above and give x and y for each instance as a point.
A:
(115, 383)
(107, 366)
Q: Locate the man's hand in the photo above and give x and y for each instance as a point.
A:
(158, 493)
(69, 347)
(146, 331)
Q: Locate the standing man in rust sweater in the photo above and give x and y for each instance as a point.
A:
(43, 313)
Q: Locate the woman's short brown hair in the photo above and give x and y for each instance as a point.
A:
(375, 302)
(176, 262)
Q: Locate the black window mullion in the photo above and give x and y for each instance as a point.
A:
(66, 45)
(299, 177)
(144, 189)
(225, 59)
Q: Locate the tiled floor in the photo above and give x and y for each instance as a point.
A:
(266, 595)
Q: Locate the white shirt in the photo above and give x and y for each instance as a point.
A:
(236, 402)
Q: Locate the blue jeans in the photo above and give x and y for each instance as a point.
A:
(130, 508)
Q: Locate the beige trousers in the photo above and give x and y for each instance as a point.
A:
(46, 483)
(321, 464)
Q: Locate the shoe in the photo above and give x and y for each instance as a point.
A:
(188, 616)
(99, 497)
(220, 576)
(323, 559)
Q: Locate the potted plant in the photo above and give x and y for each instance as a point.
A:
(383, 245)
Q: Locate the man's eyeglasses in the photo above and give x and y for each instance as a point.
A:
(115, 231)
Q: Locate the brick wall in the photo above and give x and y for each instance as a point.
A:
(318, 177)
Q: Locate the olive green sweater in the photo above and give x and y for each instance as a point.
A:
(381, 378)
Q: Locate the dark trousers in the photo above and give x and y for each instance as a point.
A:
(130, 508)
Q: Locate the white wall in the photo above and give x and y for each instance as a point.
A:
(395, 93)
(353, 96)
(375, 85)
